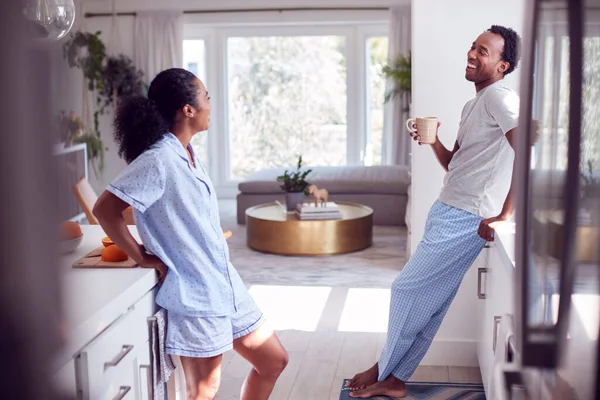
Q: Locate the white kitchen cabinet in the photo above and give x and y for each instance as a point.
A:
(107, 368)
(484, 329)
(106, 313)
(143, 373)
(495, 294)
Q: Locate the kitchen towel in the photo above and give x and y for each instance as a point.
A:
(162, 363)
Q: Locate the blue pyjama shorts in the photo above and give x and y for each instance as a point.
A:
(203, 337)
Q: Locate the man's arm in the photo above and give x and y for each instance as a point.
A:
(486, 231)
(508, 209)
(444, 155)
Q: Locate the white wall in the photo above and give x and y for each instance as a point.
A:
(442, 33)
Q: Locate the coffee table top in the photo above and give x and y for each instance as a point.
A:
(277, 213)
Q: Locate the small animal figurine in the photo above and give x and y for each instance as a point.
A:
(320, 195)
(323, 195)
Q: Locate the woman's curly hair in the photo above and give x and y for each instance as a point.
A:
(140, 122)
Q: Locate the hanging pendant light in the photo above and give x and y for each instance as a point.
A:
(51, 19)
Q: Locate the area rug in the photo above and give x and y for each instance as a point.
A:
(431, 391)
(375, 267)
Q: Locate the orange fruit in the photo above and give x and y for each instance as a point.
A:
(70, 230)
(113, 254)
(106, 241)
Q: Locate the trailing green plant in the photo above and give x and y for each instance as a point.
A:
(399, 70)
(111, 78)
(590, 182)
(120, 78)
(70, 127)
(295, 181)
(95, 150)
(87, 52)
(72, 130)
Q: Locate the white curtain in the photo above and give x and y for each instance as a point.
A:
(396, 110)
(158, 39)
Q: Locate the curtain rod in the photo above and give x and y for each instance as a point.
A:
(133, 14)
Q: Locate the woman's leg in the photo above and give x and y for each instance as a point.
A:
(202, 377)
(264, 351)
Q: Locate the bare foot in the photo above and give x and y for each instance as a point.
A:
(391, 386)
(364, 379)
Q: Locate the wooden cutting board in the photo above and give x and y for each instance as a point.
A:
(93, 260)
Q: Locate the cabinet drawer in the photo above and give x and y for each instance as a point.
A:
(104, 367)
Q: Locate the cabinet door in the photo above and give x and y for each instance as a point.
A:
(143, 373)
(484, 354)
(502, 287)
(107, 367)
(499, 301)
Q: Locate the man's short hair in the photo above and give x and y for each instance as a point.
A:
(512, 46)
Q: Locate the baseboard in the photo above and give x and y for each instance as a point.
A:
(452, 353)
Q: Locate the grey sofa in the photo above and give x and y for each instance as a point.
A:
(383, 188)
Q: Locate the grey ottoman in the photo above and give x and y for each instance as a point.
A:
(383, 188)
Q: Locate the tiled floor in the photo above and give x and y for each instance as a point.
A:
(330, 333)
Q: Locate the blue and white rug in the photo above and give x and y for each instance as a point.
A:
(431, 391)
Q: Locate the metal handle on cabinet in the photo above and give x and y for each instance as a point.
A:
(148, 369)
(480, 272)
(115, 361)
(82, 383)
(123, 390)
(495, 340)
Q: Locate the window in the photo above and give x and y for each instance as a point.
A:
(194, 60)
(283, 91)
(377, 56)
(287, 96)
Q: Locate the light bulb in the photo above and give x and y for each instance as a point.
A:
(53, 19)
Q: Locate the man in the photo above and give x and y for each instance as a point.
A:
(477, 193)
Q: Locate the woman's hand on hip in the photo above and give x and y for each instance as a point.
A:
(151, 261)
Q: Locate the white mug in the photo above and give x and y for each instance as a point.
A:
(426, 128)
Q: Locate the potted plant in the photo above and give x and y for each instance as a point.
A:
(72, 130)
(589, 193)
(70, 127)
(295, 185)
(399, 70)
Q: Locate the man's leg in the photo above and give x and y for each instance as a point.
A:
(370, 376)
(394, 385)
(407, 366)
(424, 290)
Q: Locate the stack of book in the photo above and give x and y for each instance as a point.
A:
(307, 211)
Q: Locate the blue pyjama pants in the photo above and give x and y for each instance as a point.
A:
(424, 290)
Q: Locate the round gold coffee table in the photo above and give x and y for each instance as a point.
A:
(270, 229)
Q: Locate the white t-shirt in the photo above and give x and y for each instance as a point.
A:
(479, 175)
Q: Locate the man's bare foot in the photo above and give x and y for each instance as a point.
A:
(364, 379)
(391, 386)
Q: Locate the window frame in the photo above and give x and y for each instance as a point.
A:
(365, 33)
(216, 37)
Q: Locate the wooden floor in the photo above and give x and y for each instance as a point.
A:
(323, 355)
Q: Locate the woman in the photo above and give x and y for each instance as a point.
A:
(209, 310)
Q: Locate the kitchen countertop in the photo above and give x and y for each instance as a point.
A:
(505, 241)
(94, 298)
